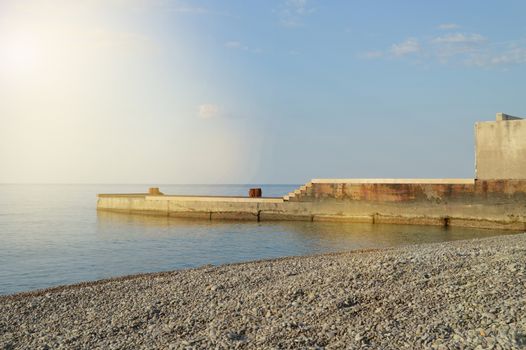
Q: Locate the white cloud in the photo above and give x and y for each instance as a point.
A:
(292, 12)
(457, 44)
(299, 6)
(410, 46)
(448, 26)
(511, 56)
(470, 49)
(460, 38)
(208, 111)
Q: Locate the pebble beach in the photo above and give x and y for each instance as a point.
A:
(454, 295)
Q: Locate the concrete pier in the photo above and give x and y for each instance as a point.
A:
(457, 202)
(495, 199)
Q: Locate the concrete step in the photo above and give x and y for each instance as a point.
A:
(302, 190)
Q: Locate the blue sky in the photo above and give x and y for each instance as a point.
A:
(282, 91)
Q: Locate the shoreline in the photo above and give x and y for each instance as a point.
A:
(90, 283)
(452, 294)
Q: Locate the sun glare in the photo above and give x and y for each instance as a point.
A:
(18, 53)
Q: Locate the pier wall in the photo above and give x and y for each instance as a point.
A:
(451, 202)
(235, 208)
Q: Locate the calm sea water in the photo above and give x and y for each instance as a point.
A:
(52, 235)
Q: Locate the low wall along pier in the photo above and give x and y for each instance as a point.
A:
(493, 200)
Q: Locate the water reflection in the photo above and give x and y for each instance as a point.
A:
(51, 235)
(316, 236)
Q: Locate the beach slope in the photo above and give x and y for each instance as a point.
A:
(463, 294)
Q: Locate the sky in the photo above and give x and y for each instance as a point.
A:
(274, 91)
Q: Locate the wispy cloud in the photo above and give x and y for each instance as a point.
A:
(448, 26)
(460, 38)
(233, 45)
(237, 45)
(208, 111)
(507, 57)
(299, 6)
(451, 45)
(471, 49)
(292, 12)
(407, 47)
(211, 111)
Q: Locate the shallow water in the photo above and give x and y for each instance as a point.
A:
(52, 235)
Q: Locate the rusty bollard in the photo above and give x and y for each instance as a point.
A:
(254, 192)
(154, 191)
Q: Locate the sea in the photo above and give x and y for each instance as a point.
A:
(52, 235)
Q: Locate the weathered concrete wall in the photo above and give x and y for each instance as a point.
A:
(236, 208)
(501, 148)
(453, 202)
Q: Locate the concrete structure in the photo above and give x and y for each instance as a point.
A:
(491, 202)
(501, 148)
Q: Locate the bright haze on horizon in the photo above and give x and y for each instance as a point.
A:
(167, 91)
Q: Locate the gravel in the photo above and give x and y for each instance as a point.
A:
(455, 295)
